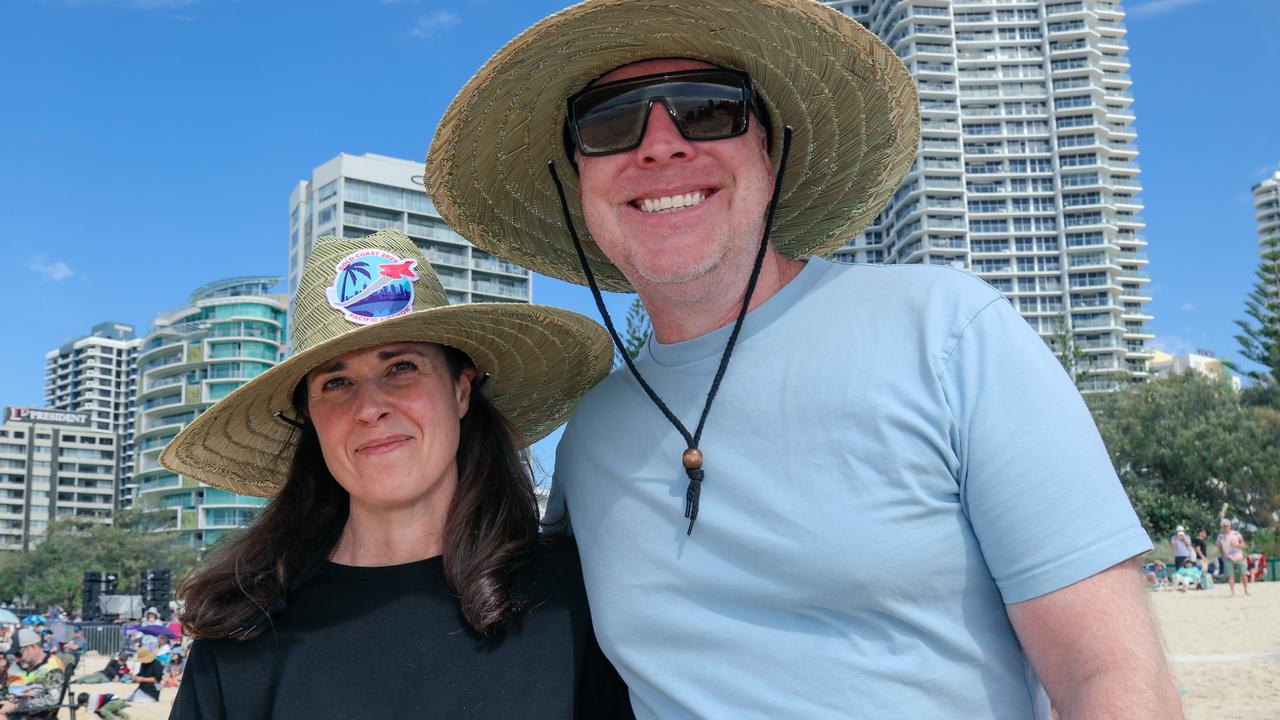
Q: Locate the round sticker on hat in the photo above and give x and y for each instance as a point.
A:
(372, 285)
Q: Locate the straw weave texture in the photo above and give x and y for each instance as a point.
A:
(851, 101)
(542, 361)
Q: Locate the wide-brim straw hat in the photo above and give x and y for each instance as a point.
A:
(851, 101)
(541, 360)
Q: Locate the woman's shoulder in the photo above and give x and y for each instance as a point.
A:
(554, 569)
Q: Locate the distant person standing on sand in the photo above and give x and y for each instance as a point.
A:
(1200, 544)
(1231, 546)
(1181, 547)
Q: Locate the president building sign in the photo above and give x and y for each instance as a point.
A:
(57, 417)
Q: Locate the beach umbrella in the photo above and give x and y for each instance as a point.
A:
(8, 618)
(159, 630)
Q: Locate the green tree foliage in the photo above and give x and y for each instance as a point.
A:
(1260, 333)
(53, 571)
(1186, 446)
(1069, 353)
(638, 330)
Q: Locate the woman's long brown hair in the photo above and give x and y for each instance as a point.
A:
(491, 530)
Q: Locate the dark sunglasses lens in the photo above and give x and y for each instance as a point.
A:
(708, 111)
(612, 118)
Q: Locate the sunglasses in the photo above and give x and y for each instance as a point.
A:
(711, 104)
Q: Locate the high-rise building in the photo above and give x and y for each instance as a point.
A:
(53, 464)
(98, 375)
(1027, 171)
(1206, 363)
(1266, 204)
(230, 332)
(352, 196)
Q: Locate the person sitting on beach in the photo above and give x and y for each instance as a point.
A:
(148, 677)
(1157, 577)
(106, 674)
(1187, 576)
(35, 680)
(104, 705)
(1257, 566)
(173, 671)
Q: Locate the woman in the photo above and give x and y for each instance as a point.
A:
(150, 671)
(397, 571)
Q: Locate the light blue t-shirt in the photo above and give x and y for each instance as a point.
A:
(893, 455)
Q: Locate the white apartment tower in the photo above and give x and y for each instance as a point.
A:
(1266, 204)
(352, 196)
(98, 375)
(230, 332)
(1027, 171)
(54, 465)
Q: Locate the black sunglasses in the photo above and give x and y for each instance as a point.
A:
(711, 104)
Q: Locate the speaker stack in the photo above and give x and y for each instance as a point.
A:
(156, 591)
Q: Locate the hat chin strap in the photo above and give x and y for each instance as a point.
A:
(692, 458)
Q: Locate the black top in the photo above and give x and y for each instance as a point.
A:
(153, 670)
(1198, 544)
(391, 642)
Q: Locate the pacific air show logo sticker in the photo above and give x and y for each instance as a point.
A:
(372, 285)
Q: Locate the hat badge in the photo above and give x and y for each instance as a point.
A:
(372, 285)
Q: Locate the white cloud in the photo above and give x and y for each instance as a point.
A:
(1265, 171)
(1172, 344)
(56, 271)
(1186, 307)
(435, 24)
(1152, 8)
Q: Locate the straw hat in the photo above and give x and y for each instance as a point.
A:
(851, 101)
(369, 291)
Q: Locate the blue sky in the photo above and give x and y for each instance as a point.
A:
(151, 145)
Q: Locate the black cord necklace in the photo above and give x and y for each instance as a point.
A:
(692, 458)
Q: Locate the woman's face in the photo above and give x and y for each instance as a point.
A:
(388, 419)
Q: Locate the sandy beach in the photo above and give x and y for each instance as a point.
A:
(1225, 654)
(1224, 651)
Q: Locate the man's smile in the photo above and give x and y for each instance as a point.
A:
(672, 202)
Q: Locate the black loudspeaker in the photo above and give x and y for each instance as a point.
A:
(90, 591)
(156, 590)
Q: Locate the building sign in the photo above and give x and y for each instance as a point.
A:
(60, 417)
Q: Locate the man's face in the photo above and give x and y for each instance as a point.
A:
(730, 182)
(30, 655)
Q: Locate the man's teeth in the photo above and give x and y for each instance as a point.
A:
(672, 202)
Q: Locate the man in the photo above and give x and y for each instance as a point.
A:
(35, 680)
(1182, 549)
(1231, 550)
(854, 412)
(107, 673)
(1201, 545)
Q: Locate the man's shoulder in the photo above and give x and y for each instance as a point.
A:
(906, 288)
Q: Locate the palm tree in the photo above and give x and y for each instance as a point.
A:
(349, 273)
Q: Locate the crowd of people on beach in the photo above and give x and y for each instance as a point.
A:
(1192, 569)
(39, 651)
